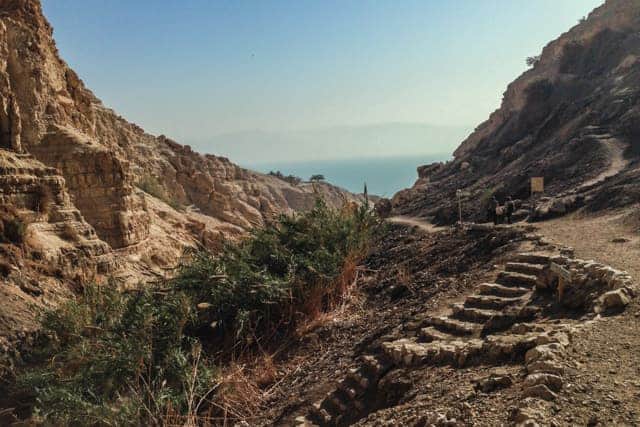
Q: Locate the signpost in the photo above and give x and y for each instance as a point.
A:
(537, 185)
(564, 277)
(460, 195)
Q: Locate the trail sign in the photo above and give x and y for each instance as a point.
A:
(537, 185)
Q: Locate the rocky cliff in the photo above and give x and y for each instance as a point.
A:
(572, 119)
(86, 194)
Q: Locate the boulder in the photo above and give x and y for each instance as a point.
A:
(554, 382)
(615, 300)
(544, 352)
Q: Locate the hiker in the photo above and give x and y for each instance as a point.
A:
(500, 211)
(510, 207)
(495, 208)
(491, 213)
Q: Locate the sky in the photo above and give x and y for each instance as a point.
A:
(200, 71)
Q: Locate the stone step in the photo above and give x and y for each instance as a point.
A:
(356, 376)
(524, 268)
(491, 302)
(345, 394)
(352, 385)
(474, 315)
(455, 353)
(508, 278)
(334, 405)
(319, 415)
(461, 352)
(532, 258)
(494, 289)
(430, 334)
(303, 421)
(374, 366)
(453, 326)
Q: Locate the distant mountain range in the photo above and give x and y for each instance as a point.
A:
(339, 142)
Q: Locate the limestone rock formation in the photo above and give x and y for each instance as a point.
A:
(48, 112)
(572, 119)
(45, 245)
(119, 201)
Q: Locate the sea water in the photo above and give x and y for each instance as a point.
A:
(383, 176)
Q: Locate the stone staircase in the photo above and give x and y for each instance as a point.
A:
(466, 336)
(496, 325)
(347, 401)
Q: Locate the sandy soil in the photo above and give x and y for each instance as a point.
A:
(604, 388)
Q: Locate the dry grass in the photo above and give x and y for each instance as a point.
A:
(238, 395)
(404, 277)
(70, 233)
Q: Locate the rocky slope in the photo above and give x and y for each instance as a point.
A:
(572, 119)
(119, 202)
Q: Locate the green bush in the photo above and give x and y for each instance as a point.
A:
(13, 230)
(283, 273)
(109, 358)
(113, 358)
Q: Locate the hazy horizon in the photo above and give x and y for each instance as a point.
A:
(203, 71)
(374, 141)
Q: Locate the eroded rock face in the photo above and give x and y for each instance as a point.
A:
(100, 183)
(572, 119)
(46, 110)
(71, 171)
(50, 250)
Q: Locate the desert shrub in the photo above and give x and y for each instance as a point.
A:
(108, 358)
(291, 179)
(70, 233)
(151, 185)
(532, 61)
(13, 230)
(149, 357)
(286, 272)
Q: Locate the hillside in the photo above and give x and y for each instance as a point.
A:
(331, 317)
(93, 194)
(572, 119)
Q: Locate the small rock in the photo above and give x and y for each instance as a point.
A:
(492, 382)
(620, 240)
(540, 391)
(554, 382)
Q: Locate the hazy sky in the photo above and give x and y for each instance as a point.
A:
(192, 69)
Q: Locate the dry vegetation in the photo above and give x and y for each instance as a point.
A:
(199, 349)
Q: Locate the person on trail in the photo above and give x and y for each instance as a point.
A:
(495, 207)
(491, 212)
(510, 208)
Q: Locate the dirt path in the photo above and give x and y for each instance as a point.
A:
(617, 161)
(421, 223)
(612, 239)
(607, 356)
